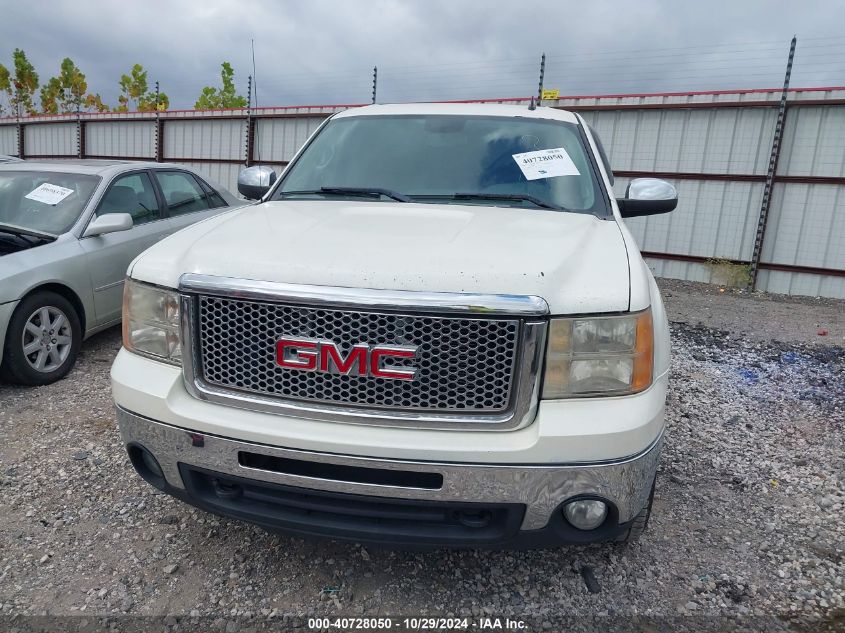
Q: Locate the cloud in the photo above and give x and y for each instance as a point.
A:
(323, 51)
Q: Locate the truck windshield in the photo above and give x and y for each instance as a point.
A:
(43, 201)
(482, 160)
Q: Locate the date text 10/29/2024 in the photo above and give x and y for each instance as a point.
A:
(416, 624)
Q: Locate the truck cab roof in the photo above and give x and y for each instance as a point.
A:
(460, 109)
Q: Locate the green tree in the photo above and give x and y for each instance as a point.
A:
(5, 86)
(133, 88)
(21, 87)
(50, 93)
(226, 97)
(93, 102)
(73, 85)
(135, 93)
(149, 104)
(67, 92)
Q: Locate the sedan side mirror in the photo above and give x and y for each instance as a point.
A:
(109, 223)
(254, 182)
(647, 196)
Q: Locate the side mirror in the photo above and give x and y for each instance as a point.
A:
(254, 182)
(647, 196)
(109, 223)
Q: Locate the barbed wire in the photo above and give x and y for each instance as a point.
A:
(703, 66)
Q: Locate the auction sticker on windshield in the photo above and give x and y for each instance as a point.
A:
(49, 194)
(546, 163)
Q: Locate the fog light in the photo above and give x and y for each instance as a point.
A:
(151, 464)
(585, 514)
(146, 465)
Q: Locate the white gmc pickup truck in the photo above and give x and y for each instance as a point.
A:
(434, 329)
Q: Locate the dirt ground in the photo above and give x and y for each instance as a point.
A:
(756, 316)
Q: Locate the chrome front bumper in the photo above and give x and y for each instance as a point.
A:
(625, 483)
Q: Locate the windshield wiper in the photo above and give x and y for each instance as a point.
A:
(518, 197)
(16, 230)
(369, 192)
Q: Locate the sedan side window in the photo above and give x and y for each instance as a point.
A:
(215, 200)
(182, 192)
(132, 194)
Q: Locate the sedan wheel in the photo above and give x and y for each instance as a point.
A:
(47, 339)
(42, 339)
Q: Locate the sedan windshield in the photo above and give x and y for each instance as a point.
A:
(42, 201)
(502, 161)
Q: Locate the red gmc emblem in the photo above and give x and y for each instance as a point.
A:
(307, 354)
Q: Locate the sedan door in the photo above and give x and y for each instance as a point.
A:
(109, 255)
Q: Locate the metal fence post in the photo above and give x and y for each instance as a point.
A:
(771, 174)
(19, 125)
(21, 144)
(542, 77)
(159, 133)
(375, 82)
(80, 134)
(249, 140)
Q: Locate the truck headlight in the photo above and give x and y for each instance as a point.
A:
(595, 356)
(151, 322)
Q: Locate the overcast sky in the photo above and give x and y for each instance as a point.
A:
(323, 51)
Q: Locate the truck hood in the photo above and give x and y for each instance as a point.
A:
(576, 262)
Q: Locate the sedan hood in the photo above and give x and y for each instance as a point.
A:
(576, 262)
(10, 246)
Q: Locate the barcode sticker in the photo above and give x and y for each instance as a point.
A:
(49, 194)
(546, 163)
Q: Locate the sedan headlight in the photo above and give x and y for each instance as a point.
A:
(595, 356)
(151, 322)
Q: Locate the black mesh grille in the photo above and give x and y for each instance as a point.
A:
(463, 364)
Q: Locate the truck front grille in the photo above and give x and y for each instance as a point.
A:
(464, 365)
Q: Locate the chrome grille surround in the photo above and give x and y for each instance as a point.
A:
(498, 390)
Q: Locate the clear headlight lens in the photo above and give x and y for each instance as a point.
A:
(610, 355)
(151, 322)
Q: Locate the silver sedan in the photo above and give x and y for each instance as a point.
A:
(68, 232)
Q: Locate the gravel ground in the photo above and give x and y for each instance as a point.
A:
(749, 514)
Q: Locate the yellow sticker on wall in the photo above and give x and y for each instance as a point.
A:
(553, 93)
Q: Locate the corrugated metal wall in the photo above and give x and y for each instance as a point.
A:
(807, 219)
(719, 157)
(714, 147)
(50, 139)
(214, 139)
(120, 138)
(814, 142)
(8, 140)
(714, 219)
(734, 140)
(277, 140)
(224, 174)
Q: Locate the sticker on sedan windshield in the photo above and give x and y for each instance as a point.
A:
(546, 163)
(49, 194)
